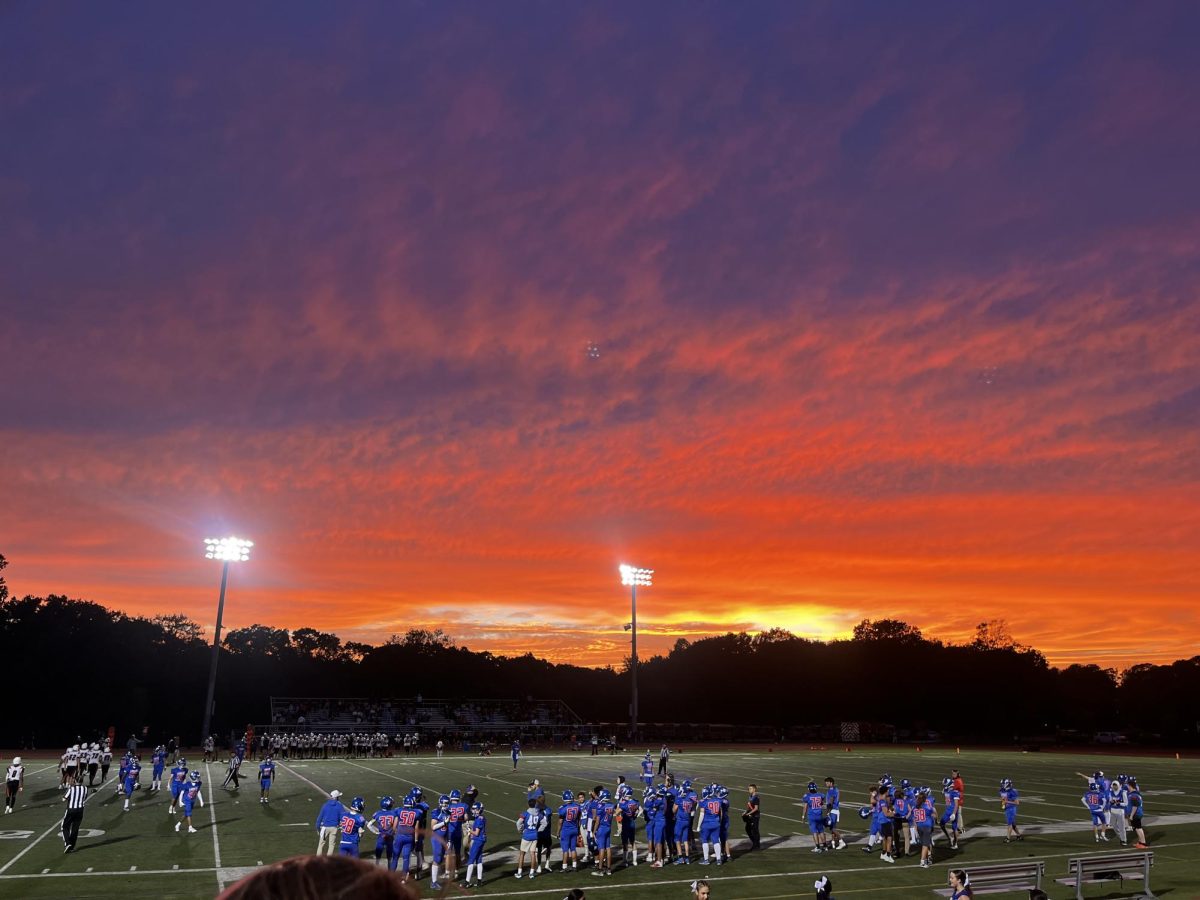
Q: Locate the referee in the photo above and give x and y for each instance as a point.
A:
(76, 797)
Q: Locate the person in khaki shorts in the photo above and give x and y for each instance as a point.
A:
(329, 821)
(528, 825)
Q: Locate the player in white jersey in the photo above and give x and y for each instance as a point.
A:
(14, 783)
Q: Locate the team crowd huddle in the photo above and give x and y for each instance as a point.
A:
(663, 820)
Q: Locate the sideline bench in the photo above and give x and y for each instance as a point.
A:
(1014, 876)
(1110, 867)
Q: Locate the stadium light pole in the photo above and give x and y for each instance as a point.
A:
(227, 550)
(634, 577)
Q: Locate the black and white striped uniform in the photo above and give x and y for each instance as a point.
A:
(76, 797)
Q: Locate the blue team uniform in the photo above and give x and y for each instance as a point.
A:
(814, 806)
(605, 813)
(179, 775)
(351, 826)
(458, 817)
(188, 795)
(385, 821)
(1009, 798)
(647, 772)
(475, 855)
(266, 774)
(439, 827)
(159, 762)
(568, 834)
(407, 822)
(833, 806)
(1094, 800)
(132, 772)
(683, 816)
(629, 815)
(710, 821)
(950, 816)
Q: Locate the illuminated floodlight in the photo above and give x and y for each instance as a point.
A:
(632, 575)
(230, 549)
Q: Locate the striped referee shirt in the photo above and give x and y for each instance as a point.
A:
(76, 796)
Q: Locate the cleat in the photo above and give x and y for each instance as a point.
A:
(434, 886)
(816, 849)
(597, 874)
(518, 874)
(705, 862)
(178, 825)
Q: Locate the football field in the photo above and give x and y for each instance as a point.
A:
(139, 854)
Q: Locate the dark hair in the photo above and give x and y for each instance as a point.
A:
(576, 894)
(532, 801)
(320, 878)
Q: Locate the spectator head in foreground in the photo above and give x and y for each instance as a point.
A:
(320, 878)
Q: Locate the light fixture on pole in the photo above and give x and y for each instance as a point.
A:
(227, 550)
(634, 577)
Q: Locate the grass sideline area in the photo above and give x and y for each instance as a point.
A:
(138, 854)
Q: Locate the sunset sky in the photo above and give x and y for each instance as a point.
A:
(895, 306)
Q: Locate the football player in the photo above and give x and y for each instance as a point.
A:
(478, 840)
(266, 778)
(190, 794)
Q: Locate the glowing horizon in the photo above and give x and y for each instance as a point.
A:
(824, 312)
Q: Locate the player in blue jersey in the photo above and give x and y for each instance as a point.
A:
(458, 819)
(710, 825)
(439, 839)
(833, 810)
(570, 814)
(528, 825)
(422, 809)
(158, 762)
(628, 811)
(266, 777)
(886, 812)
(516, 755)
(1010, 799)
(647, 770)
(902, 807)
(814, 809)
(723, 794)
(133, 771)
(950, 814)
(478, 840)
(1096, 802)
(351, 827)
(923, 814)
(1136, 811)
(179, 777)
(408, 819)
(604, 818)
(384, 820)
(685, 805)
(190, 795)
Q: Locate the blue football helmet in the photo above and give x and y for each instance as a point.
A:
(864, 812)
(568, 796)
(812, 787)
(604, 794)
(947, 783)
(358, 804)
(444, 801)
(455, 795)
(386, 802)
(409, 802)
(195, 776)
(477, 807)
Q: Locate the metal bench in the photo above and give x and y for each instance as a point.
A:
(1015, 876)
(1109, 867)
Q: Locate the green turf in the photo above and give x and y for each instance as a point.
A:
(33, 865)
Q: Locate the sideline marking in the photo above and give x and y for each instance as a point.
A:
(212, 814)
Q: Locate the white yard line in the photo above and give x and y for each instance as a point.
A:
(8, 864)
(320, 790)
(212, 814)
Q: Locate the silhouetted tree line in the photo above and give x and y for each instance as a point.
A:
(74, 667)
